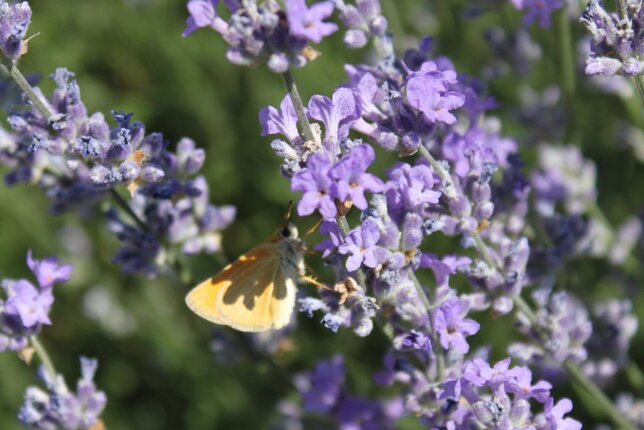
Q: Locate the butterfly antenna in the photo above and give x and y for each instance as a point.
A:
(312, 229)
(287, 215)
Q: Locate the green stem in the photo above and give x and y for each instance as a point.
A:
(22, 83)
(305, 125)
(42, 354)
(635, 376)
(566, 55)
(616, 416)
(126, 207)
(639, 83)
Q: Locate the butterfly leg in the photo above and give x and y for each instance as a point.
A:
(310, 280)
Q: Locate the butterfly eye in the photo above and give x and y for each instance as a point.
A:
(286, 232)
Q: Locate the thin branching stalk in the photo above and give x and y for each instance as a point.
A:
(43, 355)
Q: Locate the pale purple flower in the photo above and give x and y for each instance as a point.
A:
(29, 303)
(411, 188)
(308, 23)
(553, 417)
(329, 229)
(451, 326)
(282, 121)
(520, 383)
(361, 244)
(48, 271)
(443, 267)
(337, 113)
(428, 91)
(203, 13)
(480, 373)
(316, 184)
(351, 177)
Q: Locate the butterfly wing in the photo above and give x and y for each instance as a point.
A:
(251, 294)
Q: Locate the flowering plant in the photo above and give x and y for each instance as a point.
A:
(447, 211)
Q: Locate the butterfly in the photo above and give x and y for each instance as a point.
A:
(256, 292)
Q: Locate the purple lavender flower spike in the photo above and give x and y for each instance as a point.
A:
(316, 184)
(538, 10)
(351, 178)
(60, 408)
(337, 113)
(361, 244)
(320, 389)
(48, 271)
(282, 121)
(448, 321)
(308, 23)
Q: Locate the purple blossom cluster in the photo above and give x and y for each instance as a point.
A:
(26, 307)
(58, 407)
(259, 32)
(79, 159)
(324, 393)
(616, 45)
(458, 179)
(538, 11)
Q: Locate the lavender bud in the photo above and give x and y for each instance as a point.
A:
(355, 39)
(378, 25)
(412, 234)
(278, 62)
(152, 174)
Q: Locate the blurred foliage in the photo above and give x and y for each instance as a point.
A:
(156, 363)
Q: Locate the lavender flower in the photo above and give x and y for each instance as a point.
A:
(27, 307)
(262, 32)
(616, 39)
(60, 408)
(538, 10)
(564, 327)
(308, 23)
(14, 23)
(363, 20)
(449, 323)
(361, 244)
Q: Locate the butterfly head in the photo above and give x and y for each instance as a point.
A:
(288, 231)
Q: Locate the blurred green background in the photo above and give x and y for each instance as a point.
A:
(156, 363)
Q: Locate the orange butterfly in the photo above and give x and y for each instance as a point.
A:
(256, 292)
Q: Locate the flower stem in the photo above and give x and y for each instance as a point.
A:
(120, 201)
(615, 415)
(566, 54)
(22, 83)
(43, 356)
(305, 125)
(42, 107)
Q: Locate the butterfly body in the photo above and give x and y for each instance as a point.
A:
(256, 292)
